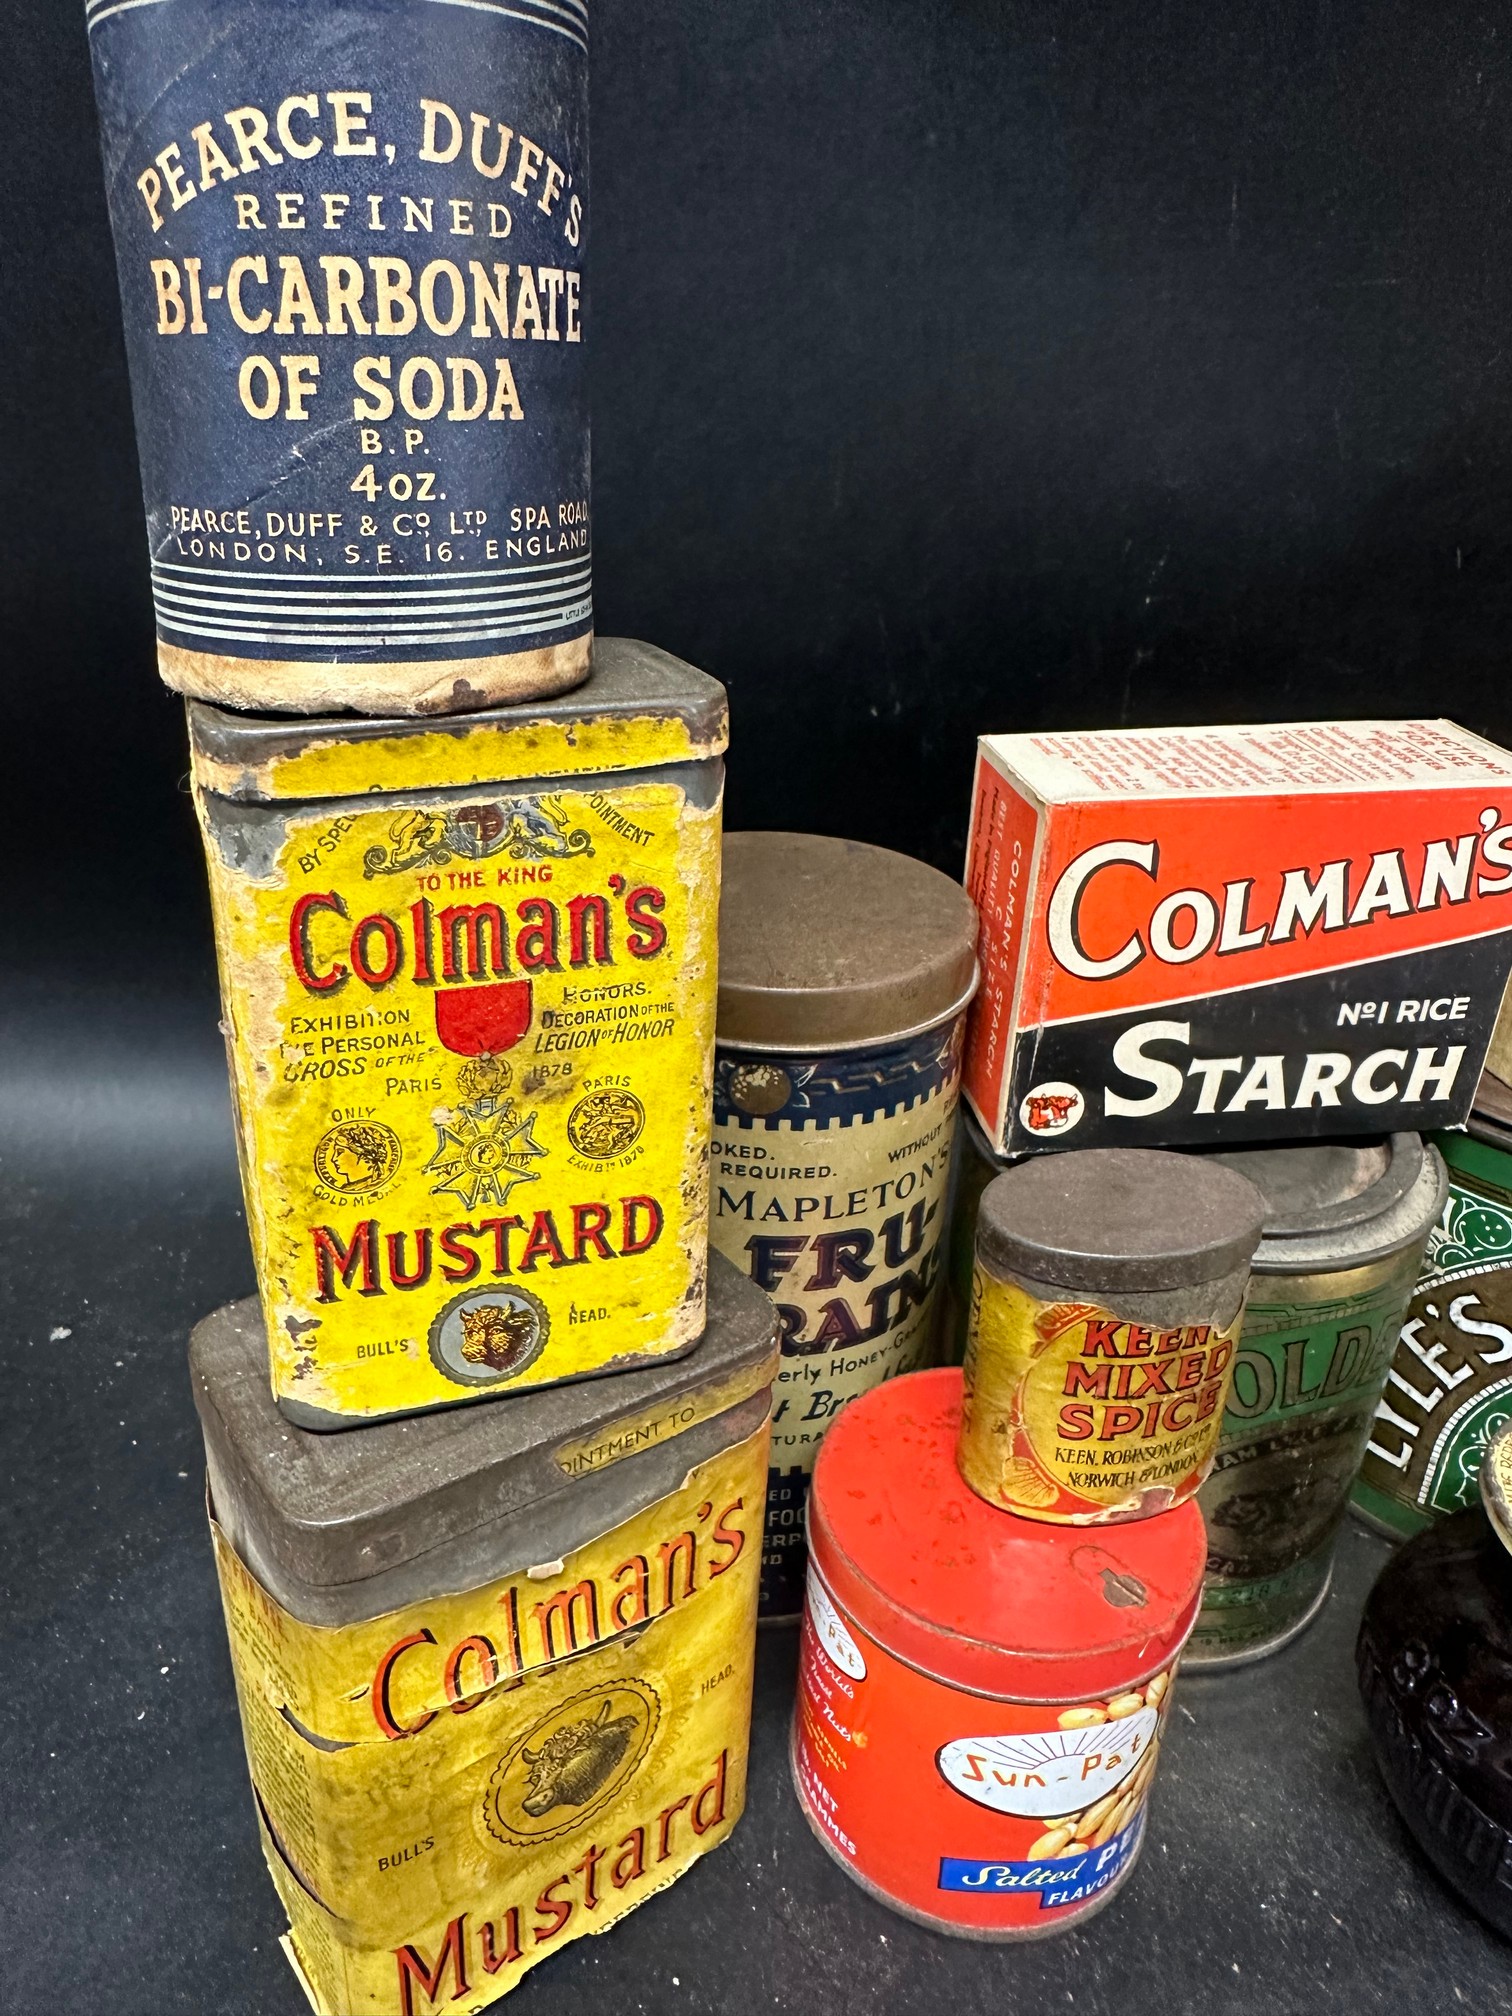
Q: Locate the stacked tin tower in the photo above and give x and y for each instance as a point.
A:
(488, 1452)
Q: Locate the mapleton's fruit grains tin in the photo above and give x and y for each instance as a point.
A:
(981, 1699)
(494, 1669)
(1450, 1384)
(467, 971)
(844, 974)
(1345, 1224)
(351, 241)
(1106, 1306)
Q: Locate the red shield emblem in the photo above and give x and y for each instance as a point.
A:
(483, 1021)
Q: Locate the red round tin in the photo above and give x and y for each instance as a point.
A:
(981, 1697)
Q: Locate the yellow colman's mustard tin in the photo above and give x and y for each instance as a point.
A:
(494, 1671)
(468, 974)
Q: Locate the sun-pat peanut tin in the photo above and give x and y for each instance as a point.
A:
(494, 1669)
(351, 241)
(981, 1698)
(844, 974)
(468, 973)
(1106, 1306)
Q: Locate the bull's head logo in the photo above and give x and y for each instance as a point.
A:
(1049, 1109)
(572, 1762)
(496, 1334)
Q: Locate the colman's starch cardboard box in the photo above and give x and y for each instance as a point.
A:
(1205, 935)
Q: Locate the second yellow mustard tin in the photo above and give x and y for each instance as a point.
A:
(468, 977)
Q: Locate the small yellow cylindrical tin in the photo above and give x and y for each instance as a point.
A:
(494, 1673)
(1106, 1306)
(468, 975)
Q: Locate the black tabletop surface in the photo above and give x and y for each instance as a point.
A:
(1276, 1878)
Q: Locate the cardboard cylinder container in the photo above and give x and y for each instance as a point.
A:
(351, 243)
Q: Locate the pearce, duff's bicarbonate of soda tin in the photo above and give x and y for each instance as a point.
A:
(981, 1699)
(1106, 1305)
(1344, 1231)
(494, 1673)
(1449, 1389)
(350, 240)
(468, 978)
(844, 972)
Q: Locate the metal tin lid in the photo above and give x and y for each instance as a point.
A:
(1496, 1484)
(826, 942)
(1331, 1204)
(972, 1595)
(640, 707)
(352, 1525)
(1111, 1220)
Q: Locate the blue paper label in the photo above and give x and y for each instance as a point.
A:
(1059, 1879)
(350, 240)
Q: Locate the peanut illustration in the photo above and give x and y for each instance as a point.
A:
(1076, 1833)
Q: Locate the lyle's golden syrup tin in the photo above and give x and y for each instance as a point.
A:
(1449, 1388)
(468, 976)
(1345, 1224)
(494, 1670)
(844, 973)
(351, 242)
(982, 1699)
(1106, 1307)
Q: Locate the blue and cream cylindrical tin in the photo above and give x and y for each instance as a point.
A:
(844, 974)
(350, 240)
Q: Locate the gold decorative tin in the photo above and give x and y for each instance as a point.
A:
(492, 1699)
(468, 977)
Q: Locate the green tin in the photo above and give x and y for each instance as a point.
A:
(1450, 1385)
(1344, 1233)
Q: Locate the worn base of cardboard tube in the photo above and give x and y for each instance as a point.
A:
(983, 1935)
(420, 686)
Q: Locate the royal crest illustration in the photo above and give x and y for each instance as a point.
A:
(606, 1123)
(483, 1151)
(526, 829)
(573, 1761)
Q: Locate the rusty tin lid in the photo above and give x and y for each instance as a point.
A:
(347, 1526)
(825, 943)
(974, 1596)
(1336, 1204)
(640, 708)
(1106, 1221)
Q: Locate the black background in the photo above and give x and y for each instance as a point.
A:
(957, 366)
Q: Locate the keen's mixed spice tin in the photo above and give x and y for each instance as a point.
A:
(1106, 1304)
(844, 971)
(1345, 1224)
(351, 242)
(1450, 1385)
(494, 1669)
(468, 977)
(981, 1698)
